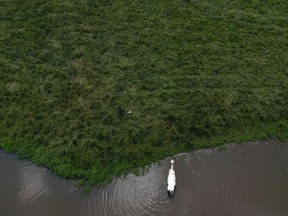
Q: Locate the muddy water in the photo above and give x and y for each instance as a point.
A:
(249, 179)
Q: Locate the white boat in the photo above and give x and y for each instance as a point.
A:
(171, 180)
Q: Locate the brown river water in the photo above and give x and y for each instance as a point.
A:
(245, 180)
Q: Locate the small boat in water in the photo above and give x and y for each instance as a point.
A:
(171, 180)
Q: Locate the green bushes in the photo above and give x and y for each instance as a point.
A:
(100, 88)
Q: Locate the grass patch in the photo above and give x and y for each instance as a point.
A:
(94, 89)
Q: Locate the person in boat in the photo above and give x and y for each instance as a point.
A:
(171, 180)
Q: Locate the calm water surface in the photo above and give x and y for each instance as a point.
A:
(244, 180)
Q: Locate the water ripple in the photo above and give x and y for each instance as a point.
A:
(33, 184)
(205, 180)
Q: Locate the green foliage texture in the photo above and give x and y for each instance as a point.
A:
(96, 88)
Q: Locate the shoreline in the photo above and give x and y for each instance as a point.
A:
(42, 157)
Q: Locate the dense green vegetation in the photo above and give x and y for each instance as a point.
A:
(93, 89)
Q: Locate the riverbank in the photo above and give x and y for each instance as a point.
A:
(96, 89)
(69, 169)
